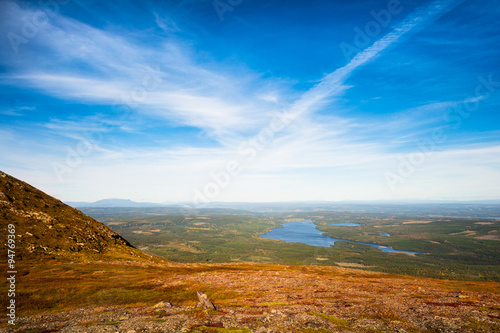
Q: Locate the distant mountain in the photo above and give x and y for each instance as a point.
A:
(114, 203)
(47, 228)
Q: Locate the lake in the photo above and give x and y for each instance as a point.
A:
(347, 224)
(305, 232)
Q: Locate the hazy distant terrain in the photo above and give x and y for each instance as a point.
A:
(483, 209)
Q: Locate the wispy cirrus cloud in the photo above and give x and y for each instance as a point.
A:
(165, 83)
(189, 94)
(334, 82)
(16, 111)
(101, 67)
(165, 23)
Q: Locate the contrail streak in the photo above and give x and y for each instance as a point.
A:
(334, 82)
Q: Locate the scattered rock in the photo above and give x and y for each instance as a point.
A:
(312, 324)
(205, 301)
(162, 305)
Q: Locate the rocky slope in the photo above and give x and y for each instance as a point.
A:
(272, 298)
(47, 228)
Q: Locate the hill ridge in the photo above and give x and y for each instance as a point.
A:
(48, 228)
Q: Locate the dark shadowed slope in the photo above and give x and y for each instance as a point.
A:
(47, 228)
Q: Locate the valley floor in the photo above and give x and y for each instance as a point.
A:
(124, 297)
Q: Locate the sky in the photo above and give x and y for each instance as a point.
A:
(248, 100)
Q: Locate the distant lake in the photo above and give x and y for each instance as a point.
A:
(347, 224)
(305, 232)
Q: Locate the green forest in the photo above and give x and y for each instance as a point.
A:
(451, 248)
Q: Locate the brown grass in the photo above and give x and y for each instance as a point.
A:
(61, 286)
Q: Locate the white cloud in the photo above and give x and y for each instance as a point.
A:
(324, 158)
(166, 24)
(162, 81)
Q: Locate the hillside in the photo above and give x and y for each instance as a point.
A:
(73, 274)
(47, 228)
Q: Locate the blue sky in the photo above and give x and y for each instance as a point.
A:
(239, 100)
